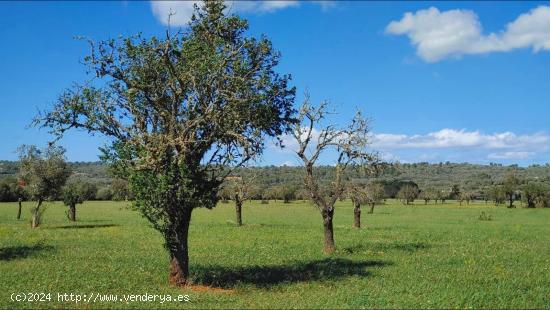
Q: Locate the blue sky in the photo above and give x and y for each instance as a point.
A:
(456, 81)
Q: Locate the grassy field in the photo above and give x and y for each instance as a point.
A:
(436, 256)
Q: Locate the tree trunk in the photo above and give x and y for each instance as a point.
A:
(19, 211)
(72, 212)
(35, 220)
(238, 209)
(511, 202)
(371, 211)
(329, 246)
(179, 251)
(357, 216)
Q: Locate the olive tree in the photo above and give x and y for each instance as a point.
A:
(427, 195)
(44, 172)
(510, 186)
(76, 192)
(375, 194)
(408, 194)
(349, 144)
(360, 194)
(441, 195)
(496, 193)
(240, 189)
(535, 193)
(182, 111)
(465, 196)
(357, 192)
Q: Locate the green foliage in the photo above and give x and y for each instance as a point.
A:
(10, 190)
(393, 186)
(408, 194)
(76, 192)
(497, 194)
(485, 217)
(104, 193)
(44, 171)
(269, 179)
(428, 194)
(288, 194)
(535, 194)
(510, 186)
(375, 192)
(120, 190)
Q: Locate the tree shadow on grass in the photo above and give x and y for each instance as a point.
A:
(327, 269)
(84, 226)
(386, 247)
(23, 251)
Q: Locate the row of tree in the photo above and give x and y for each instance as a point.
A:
(531, 193)
(11, 190)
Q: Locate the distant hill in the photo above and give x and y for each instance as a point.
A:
(442, 175)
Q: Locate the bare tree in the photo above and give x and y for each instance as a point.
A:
(240, 190)
(350, 145)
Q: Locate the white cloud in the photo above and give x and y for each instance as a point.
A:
(511, 155)
(184, 9)
(452, 138)
(443, 145)
(439, 35)
(290, 145)
(260, 6)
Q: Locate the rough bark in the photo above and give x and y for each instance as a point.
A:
(72, 212)
(19, 210)
(238, 210)
(357, 216)
(35, 220)
(329, 246)
(179, 251)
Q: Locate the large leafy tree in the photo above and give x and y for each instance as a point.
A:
(45, 172)
(181, 111)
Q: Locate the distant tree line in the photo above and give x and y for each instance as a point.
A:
(11, 190)
(530, 186)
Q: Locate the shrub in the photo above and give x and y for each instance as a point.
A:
(104, 193)
(485, 217)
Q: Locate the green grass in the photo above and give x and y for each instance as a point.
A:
(436, 256)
